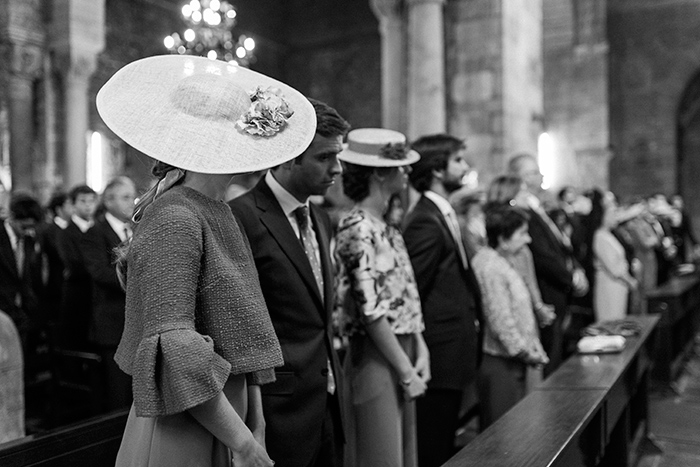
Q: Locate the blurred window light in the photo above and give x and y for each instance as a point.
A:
(95, 161)
(546, 159)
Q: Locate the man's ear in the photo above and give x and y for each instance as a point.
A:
(438, 174)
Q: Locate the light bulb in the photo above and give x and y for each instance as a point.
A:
(249, 43)
(231, 14)
(241, 52)
(169, 42)
(181, 50)
(195, 5)
(186, 11)
(211, 55)
(190, 35)
(196, 16)
(215, 5)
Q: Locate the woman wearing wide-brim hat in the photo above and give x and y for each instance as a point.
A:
(198, 340)
(378, 306)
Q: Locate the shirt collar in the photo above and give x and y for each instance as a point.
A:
(82, 224)
(11, 233)
(117, 225)
(443, 205)
(287, 201)
(60, 222)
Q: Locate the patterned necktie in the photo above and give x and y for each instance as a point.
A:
(19, 256)
(302, 216)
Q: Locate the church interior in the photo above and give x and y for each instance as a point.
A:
(604, 93)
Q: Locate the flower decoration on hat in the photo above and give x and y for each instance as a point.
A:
(268, 113)
(395, 151)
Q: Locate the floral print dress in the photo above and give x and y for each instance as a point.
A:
(375, 277)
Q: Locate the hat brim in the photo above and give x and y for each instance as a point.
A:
(373, 160)
(135, 105)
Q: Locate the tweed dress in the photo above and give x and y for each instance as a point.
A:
(194, 316)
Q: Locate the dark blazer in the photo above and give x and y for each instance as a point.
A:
(108, 298)
(48, 237)
(450, 298)
(553, 262)
(29, 286)
(77, 291)
(295, 405)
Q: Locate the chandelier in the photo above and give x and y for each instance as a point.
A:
(209, 33)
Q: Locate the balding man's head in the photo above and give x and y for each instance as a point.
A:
(525, 166)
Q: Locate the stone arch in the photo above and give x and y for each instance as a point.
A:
(688, 149)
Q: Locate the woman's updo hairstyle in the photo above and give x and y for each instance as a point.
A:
(356, 179)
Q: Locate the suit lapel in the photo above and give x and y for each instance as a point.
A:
(326, 263)
(6, 252)
(112, 236)
(277, 224)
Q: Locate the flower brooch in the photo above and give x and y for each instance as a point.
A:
(268, 113)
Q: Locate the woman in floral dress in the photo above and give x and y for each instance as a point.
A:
(378, 307)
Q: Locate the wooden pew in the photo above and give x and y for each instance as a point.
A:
(591, 411)
(91, 443)
(677, 302)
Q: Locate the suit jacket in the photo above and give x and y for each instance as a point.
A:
(108, 297)
(28, 286)
(450, 298)
(48, 237)
(553, 263)
(295, 405)
(77, 291)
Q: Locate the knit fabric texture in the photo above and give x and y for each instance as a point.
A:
(194, 309)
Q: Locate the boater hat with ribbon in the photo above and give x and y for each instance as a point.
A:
(206, 115)
(377, 147)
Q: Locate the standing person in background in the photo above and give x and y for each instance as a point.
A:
(448, 291)
(108, 297)
(290, 239)
(511, 341)
(76, 295)
(387, 364)
(60, 211)
(613, 280)
(510, 190)
(197, 339)
(558, 275)
(21, 282)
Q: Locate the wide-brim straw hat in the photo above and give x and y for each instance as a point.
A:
(197, 114)
(377, 147)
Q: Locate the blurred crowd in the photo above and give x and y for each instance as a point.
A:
(536, 267)
(59, 286)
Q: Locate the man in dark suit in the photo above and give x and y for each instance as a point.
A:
(60, 209)
(108, 297)
(558, 274)
(76, 294)
(449, 294)
(21, 281)
(302, 408)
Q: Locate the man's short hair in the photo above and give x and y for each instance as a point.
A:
(435, 151)
(80, 190)
(24, 206)
(57, 201)
(329, 123)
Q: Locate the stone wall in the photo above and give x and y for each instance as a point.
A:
(654, 54)
(576, 91)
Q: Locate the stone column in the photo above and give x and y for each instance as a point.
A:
(22, 40)
(392, 31)
(426, 68)
(78, 36)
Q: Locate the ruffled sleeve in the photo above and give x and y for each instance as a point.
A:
(175, 371)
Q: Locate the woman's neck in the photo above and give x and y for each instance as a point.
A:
(376, 203)
(211, 185)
